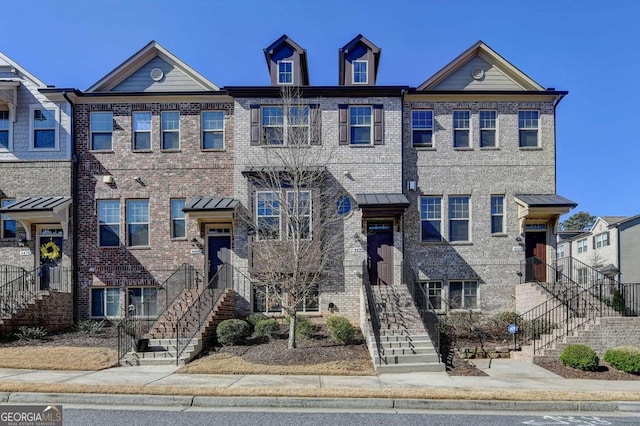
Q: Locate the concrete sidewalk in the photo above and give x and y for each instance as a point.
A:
(503, 374)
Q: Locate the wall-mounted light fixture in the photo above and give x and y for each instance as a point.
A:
(139, 180)
(412, 185)
(332, 307)
(21, 242)
(108, 179)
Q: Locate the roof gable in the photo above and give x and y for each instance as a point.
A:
(284, 48)
(135, 74)
(480, 68)
(11, 66)
(359, 48)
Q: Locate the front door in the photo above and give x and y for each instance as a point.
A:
(219, 247)
(536, 255)
(380, 252)
(49, 246)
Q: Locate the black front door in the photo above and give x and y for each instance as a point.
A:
(219, 248)
(380, 252)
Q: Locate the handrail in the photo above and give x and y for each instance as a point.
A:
(9, 273)
(373, 311)
(18, 293)
(427, 312)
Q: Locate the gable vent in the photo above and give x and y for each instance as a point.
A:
(156, 74)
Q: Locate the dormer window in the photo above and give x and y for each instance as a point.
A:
(4, 130)
(285, 72)
(360, 75)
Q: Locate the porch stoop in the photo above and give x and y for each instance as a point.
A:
(406, 345)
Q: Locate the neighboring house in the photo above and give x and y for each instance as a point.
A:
(154, 144)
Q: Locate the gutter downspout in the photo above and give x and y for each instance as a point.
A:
(403, 92)
(555, 142)
(74, 196)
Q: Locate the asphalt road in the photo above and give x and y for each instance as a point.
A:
(192, 417)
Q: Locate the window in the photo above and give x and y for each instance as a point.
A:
(463, 294)
(528, 128)
(141, 131)
(267, 299)
(299, 220)
(4, 130)
(459, 218)
(433, 290)
(360, 125)
(582, 275)
(488, 129)
(285, 72)
(178, 221)
(273, 125)
(344, 205)
(497, 214)
(601, 240)
(44, 128)
(108, 223)
(431, 218)
(105, 302)
(101, 131)
(213, 130)
(142, 301)
(297, 124)
(170, 130)
(7, 226)
(422, 128)
(461, 129)
(582, 245)
(137, 223)
(268, 217)
(360, 75)
(292, 128)
(560, 252)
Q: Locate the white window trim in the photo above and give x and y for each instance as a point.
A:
(433, 144)
(9, 147)
(495, 129)
(3, 220)
(353, 71)
(99, 245)
(203, 130)
(133, 132)
(142, 299)
(91, 132)
(370, 125)
(469, 220)
(127, 223)
(277, 198)
(600, 240)
(468, 129)
(504, 214)
(582, 245)
(422, 220)
(56, 130)
(162, 132)
(292, 72)
(538, 130)
(296, 195)
(172, 219)
(443, 301)
(104, 308)
(286, 124)
(463, 307)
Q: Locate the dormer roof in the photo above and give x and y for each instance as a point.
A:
(358, 49)
(153, 69)
(285, 49)
(480, 68)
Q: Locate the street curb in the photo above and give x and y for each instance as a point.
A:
(293, 402)
(629, 406)
(100, 399)
(4, 396)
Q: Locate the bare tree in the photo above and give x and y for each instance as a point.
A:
(293, 212)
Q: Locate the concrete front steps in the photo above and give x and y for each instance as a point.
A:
(164, 352)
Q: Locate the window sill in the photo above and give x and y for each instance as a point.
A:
(213, 150)
(179, 239)
(32, 149)
(460, 243)
(141, 151)
(462, 148)
(489, 148)
(171, 150)
(109, 247)
(8, 240)
(499, 235)
(138, 247)
(102, 151)
(530, 148)
(362, 145)
(423, 148)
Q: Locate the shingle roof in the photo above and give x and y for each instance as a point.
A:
(613, 219)
(210, 204)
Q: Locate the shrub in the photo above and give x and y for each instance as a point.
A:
(304, 327)
(340, 330)
(581, 357)
(624, 358)
(253, 319)
(266, 328)
(31, 333)
(90, 328)
(233, 331)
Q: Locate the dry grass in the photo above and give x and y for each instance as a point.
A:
(57, 358)
(226, 363)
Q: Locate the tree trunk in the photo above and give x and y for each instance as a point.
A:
(292, 332)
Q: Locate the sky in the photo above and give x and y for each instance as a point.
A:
(589, 48)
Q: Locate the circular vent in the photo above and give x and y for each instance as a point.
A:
(477, 73)
(156, 74)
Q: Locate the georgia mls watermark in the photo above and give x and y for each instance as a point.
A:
(30, 415)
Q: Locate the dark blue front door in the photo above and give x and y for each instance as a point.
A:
(219, 247)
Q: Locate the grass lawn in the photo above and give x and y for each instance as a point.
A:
(57, 358)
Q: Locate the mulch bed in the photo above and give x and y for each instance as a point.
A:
(604, 372)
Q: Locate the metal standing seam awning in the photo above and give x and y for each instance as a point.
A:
(377, 205)
(203, 208)
(33, 210)
(542, 206)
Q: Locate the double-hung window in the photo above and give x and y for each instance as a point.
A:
(582, 245)
(528, 128)
(290, 126)
(459, 218)
(360, 125)
(4, 130)
(137, 223)
(360, 74)
(7, 226)
(463, 294)
(141, 131)
(101, 131)
(108, 223)
(422, 128)
(601, 240)
(142, 301)
(299, 215)
(170, 122)
(273, 125)
(497, 214)
(488, 129)
(105, 302)
(433, 291)
(285, 72)
(297, 122)
(461, 129)
(431, 218)
(178, 221)
(268, 215)
(44, 128)
(212, 129)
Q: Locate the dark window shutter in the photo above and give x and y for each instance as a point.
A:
(316, 124)
(378, 131)
(608, 240)
(343, 120)
(594, 242)
(255, 124)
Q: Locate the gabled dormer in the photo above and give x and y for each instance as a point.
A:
(287, 63)
(153, 69)
(358, 61)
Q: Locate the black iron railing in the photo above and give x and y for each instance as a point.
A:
(140, 317)
(427, 313)
(9, 273)
(373, 311)
(23, 289)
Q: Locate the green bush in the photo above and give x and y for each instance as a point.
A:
(31, 333)
(267, 327)
(90, 327)
(253, 319)
(304, 327)
(624, 358)
(581, 357)
(340, 330)
(233, 331)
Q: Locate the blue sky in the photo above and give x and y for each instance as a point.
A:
(586, 47)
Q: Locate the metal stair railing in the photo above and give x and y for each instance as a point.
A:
(9, 273)
(373, 311)
(140, 317)
(24, 289)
